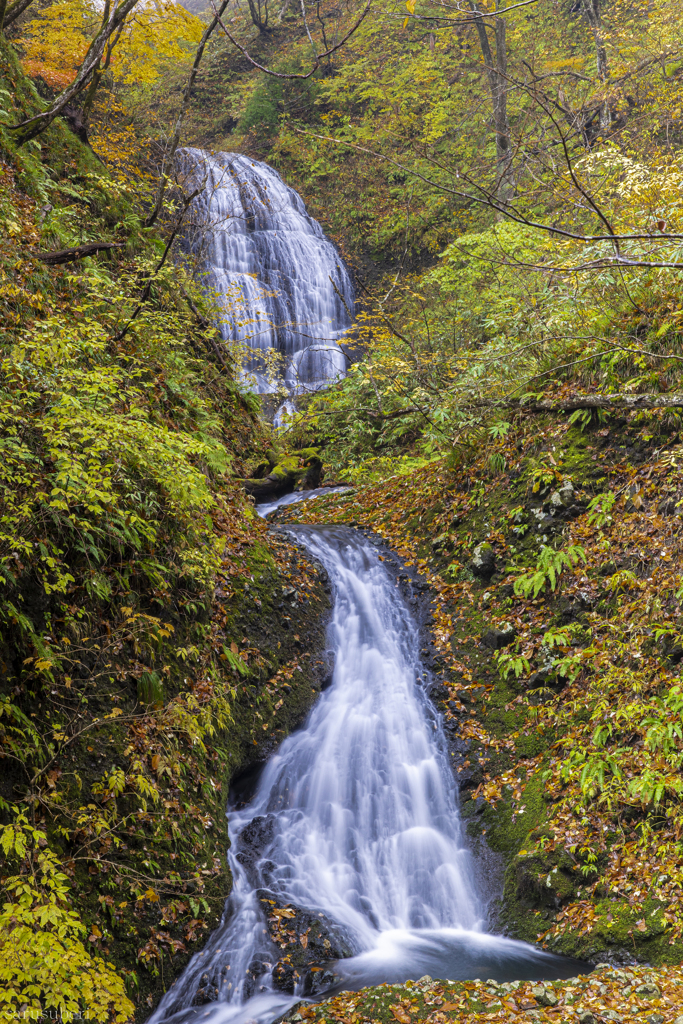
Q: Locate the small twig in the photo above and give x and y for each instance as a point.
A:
(145, 293)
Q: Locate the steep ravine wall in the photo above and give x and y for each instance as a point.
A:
(156, 640)
(282, 613)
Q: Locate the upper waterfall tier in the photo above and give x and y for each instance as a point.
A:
(284, 288)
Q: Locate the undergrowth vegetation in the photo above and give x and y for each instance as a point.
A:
(581, 599)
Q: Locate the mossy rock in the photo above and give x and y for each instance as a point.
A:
(300, 471)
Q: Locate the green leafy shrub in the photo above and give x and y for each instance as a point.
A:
(549, 568)
(44, 965)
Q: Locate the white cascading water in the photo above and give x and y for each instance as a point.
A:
(361, 824)
(282, 284)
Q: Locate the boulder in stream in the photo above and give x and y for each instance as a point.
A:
(309, 942)
(300, 471)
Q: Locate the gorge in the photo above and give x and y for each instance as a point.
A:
(440, 697)
(355, 822)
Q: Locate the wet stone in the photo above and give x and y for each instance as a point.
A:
(497, 638)
(309, 941)
(255, 839)
(648, 991)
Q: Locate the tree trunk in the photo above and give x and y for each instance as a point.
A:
(101, 69)
(12, 12)
(259, 17)
(78, 253)
(496, 70)
(591, 10)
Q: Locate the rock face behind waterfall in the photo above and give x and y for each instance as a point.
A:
(284, 288)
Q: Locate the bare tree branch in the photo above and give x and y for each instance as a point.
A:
(187, 202)
(487, 198)
(187, 93)
(466, 18)
(574, 402)
(318, 56)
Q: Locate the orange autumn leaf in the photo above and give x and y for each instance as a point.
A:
(400, 1014)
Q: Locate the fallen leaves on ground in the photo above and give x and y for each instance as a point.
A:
(608, 994)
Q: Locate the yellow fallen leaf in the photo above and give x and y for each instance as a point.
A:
(400, 1014)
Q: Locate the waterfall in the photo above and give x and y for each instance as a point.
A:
(284, 290)
(355, 819)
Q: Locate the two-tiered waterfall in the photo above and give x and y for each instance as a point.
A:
(355, 819)
(283, 288)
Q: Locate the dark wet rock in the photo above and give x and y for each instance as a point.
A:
(572, 607)
(671, 649)
(549, 524)
(545, 679)
(670, 507)
(255, 839)
(308, 943)
(300, 471)
(541, 678)
(442, 542)
(541, 883)
(563, 497)
(206, 993)
(483, 561)
(497, 638)
(285, 976)
(255, 971)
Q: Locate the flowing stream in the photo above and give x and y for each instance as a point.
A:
(285, 291)
(357, 821)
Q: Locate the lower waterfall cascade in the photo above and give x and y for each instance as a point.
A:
(283, 286)
(358, 822)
